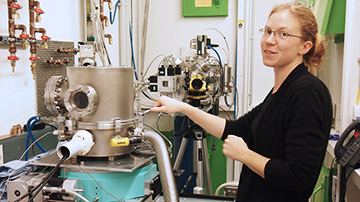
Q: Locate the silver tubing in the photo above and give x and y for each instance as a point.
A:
(166, 171)
(200, 163)
(207, 168)
(180, 154)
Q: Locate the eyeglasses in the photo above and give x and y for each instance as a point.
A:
(281, 34)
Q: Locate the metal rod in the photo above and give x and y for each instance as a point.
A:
(180, 154)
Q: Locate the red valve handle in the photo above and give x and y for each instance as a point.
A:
(24, 36)
(33, 58)
(17, 6)
(45, 37)
(38, 10)
(11, 57)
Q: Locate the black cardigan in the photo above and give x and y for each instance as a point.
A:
(291, 127)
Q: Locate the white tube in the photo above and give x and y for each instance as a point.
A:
(81, 143)
(227, 184)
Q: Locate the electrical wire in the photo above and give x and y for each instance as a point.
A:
(8, 179)
(37, 188)
(170, 147)
(212, 48)
(132, 52)
(112, 17)
(225, 112)
(29, 126)
(237, 110)
(222, 48)
(142, 103)
(133, 61)
(99, 37)
(331, 173)
(343, 190)
(95, 181)
(227, 52)
(226, 43)
(157, 122)
(147, 69)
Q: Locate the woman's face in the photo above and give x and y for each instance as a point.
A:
(282, 52)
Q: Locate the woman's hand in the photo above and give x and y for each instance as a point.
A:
(235, 148)
(212, 124)
(167, 105)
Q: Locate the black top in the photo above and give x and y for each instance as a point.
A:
(291, 127)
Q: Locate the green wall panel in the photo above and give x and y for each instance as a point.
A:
(204, 8)
(14, 147)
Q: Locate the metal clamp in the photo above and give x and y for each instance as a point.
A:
(106, 125)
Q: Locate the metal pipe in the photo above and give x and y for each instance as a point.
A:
(109, 37)
(12, 49)
(102, 18)
(11, 20)
(166, 172)
(124, 37)
(34, 6)
(180, 154)
(144, 37)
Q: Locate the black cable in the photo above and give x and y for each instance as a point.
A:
(43, 182)
(52, 126)
(331, 173)
(41, 185)
(157, 123)
(345, 183)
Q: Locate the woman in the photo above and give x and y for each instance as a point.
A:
(282, 142)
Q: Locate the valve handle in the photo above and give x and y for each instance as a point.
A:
(24, 36)
(34, 58)
(45, 37)
(38, 10)
(17, 6)
(12, 57)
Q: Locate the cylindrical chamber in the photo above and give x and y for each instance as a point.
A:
(97, 96)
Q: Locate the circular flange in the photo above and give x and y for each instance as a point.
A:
(54, 94)
(81, 100)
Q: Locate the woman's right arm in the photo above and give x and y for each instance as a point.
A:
(212, 124)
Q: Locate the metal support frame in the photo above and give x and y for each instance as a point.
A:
(201, 168)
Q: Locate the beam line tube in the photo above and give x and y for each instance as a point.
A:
(166, 171)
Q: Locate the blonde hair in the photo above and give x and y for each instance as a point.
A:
(309, 30)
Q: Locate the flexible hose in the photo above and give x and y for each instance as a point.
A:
(166, 171)
(29, 126)
(217, 53)
(227, 184)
